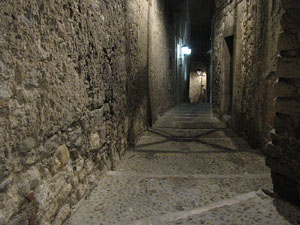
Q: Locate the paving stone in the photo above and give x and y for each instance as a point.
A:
(257, 210)
(122, 199)
(184, 176)
(192, 164)
(192, 133)
(160, 144)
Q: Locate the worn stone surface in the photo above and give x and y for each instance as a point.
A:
(199, 186)
(259, 209)
(74, 86)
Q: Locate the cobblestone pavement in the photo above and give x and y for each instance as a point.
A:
(187, 169)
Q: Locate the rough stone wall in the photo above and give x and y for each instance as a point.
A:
(73, 92)
(138, 82)
(267, 84)
(161, 61)
(283, 151)
(255, 27)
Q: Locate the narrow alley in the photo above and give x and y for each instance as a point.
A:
(187, 169)
(149, 112)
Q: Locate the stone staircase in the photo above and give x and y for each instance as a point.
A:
(187, 169)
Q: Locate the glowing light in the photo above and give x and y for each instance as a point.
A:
(199, 72)
(186, 50)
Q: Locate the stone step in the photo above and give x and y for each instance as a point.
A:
(190, 111)
(187, 119)
(121, 198)
(163, 144)
(187, 115)
(205, 124)
(189, 133)
(226, 164)
(192, 108)
(254, 208)
(197, 106)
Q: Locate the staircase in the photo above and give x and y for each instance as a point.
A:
(187, 169)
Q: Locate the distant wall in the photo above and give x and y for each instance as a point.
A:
(198, 83)
(74, 91)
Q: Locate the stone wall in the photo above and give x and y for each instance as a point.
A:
(283, 151)
(162, 59)
(198, 83)
(254, 28)
(74, 91)
(266, 97)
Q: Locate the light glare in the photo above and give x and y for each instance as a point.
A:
(186, 50)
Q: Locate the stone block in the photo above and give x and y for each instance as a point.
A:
(60, 158)
(274, 151)
(290, 4)
(28, 181)
(62, 215)
(56, 203)
(28, 144)
(284, 90)
(3, 104)
(33, 78)
(288, 68)
(285, 187)
(291, 19)
(287, 107)
(280, 125)
(21, 219)
(5, 184)
(5, 92)
(287, 42)
(95, 141)
(97, 116)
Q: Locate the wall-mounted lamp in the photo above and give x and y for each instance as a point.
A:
(199, 72)
(186, 50)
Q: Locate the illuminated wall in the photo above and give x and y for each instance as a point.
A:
(198, 88)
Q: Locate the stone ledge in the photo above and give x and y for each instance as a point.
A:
(290, 4)
(286, 188)
(287, 42)
(289, 170)
(288, 68)
(282, 89)
(287, 107)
